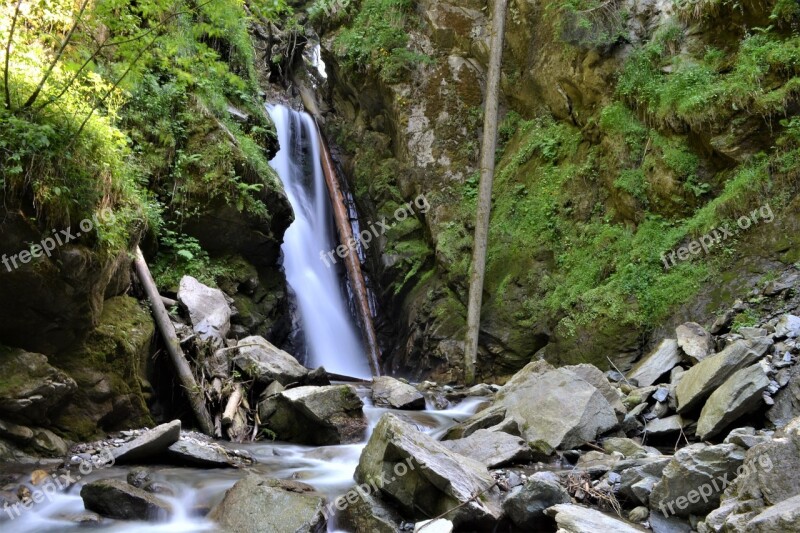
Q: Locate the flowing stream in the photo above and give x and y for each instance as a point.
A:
(329, 469)
(331, 337)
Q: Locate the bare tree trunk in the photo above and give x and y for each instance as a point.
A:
(8, 54)
(485, 192)
(161, 317)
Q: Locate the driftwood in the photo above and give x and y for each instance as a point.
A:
(162, 319)
(232, 406)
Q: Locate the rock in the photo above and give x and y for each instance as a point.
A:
(259, 359)
(657, 363)
(639, 514)
(627, 447)
(596, 463)
(446, 478)
(593, 375)
(752, 333)
(664, 426)
(534, 400)
(114, 498)
(661, 394)
(150, 444)
(783, 517)
(390, 392)
(189, 451)
(139, 477)
(637, 482)
(272, 389)
(492, 448)
(668, 524)
(787, 400)
(788, 326)
(318, 377)
(693, 468)
(208, 309)
(695, 341)
(738, 396)
(256, 504)
(706, 376)
(31, 389)
(368, 513)
(487, 418)
(434, 526)
(316, 415)
(745, 437)
(526, 504)
(573, 518)
(48, 443)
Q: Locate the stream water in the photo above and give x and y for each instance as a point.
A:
(329, 469)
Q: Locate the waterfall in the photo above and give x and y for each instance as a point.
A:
(327, 325)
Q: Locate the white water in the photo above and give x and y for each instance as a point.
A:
(329, 469)
(326, 322)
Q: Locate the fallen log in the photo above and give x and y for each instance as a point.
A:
(167, 330)
(232, 406)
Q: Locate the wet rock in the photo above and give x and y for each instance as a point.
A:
(738, 396)
(259, 359)
(139, 477)
(208, 309)
(788, 326)
(657, 363)
(694, 340)
(193, 452)
(701, 380)
(368, 513)
(783, 517)
(150, 444)
(31, 389)
(492, 448)
(691, 468)
(316, 415)
(572, 518)
(114, 498)
(256, 504)
(447, 479)
(526, 504)
(390, 392)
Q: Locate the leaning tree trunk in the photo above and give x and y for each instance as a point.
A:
(485, 192)
(161, 317)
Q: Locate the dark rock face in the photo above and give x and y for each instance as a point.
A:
(149, 445)
(116, 499)
(526, 504)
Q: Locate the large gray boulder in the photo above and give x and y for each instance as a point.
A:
(693, 469)
(30, 389)
(788, 326)
(637, 482)
(259, 359)
(738, 396)
(368, 513)
(657, 363)
(694, 340)
(492, 448)
(787, 400)
(783, 517)
(592, 374)
(697, 383)
(422, 476)
(208, 309)
(116, 499)
(390, 392)
(572, 518)
(194, 452)
(526, 504)
(256, 504)
(315, 415)
(150, 444)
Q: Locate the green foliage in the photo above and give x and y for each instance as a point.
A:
(377, 38)
(634, 182)
(589, 23)
(746, 319)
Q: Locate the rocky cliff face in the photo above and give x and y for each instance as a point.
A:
(632, 128)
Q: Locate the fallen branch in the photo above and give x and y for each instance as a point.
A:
(162, 319)
(232, 406)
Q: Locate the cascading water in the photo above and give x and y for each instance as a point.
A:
(327, 325)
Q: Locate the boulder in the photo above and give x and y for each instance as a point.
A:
(657, 363)
(487, 418)
(697, 383)
(691, 469)
(598, 379)
(783, 517)
(31, 390)
(788, 326)
(256, 504)
(572, 518)
(368, 513)
(390, 392)
(637, 482)
(669, 524)
(208, 309)
(150, 444)
(46, 442)
(259, 359)
(664, 426)
(315, 415)
(627, 447)
(535, 400)
(738, 396)
(787, 400)
(116, 499)
(526, 504)
(432, 479)
(746, 437)
(492, 448)
(193, 452)
(694, 340)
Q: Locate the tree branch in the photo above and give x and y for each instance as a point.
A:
(8, 54)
